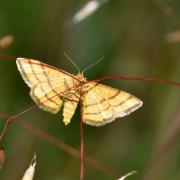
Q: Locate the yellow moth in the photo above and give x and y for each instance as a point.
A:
(52, 87)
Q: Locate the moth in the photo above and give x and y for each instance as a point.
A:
(51, 88)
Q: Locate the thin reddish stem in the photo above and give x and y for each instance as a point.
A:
(81, 139)
(163, 81)
(12, 118)
(81, 151)
(7, 56)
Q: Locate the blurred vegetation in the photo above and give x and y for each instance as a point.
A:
(131, 36)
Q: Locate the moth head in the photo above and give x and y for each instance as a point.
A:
(81, 77)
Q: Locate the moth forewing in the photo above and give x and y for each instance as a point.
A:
(49, 86)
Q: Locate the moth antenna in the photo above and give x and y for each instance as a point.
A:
(90, 66)
(70, 59)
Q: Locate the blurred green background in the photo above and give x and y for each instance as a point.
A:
(131, 36)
